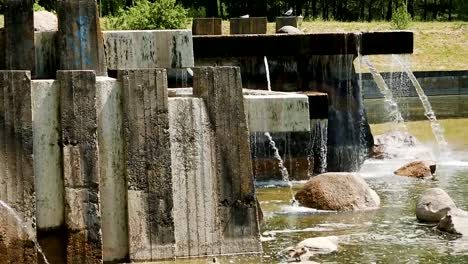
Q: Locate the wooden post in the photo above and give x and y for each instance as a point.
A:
(148, 158)
(80, 166)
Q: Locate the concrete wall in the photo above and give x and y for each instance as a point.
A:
(148, 49)
(433, 83)
(123, 50)
(276, 112)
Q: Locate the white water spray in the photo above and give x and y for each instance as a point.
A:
(390, 102)
(437, 129)
(24, 227)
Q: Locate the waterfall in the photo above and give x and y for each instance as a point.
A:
(390, 102)
(437, 129)
(276, 154)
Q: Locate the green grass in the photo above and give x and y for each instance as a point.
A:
(438, 46)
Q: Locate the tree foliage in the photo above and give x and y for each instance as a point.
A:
(401, 19)
(161, 14)
(341, 10)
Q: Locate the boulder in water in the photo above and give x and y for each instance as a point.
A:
(289, 30)
(433, 205)
(338, 191)
(455, 222)
(418, 169)
(45, 21)
(312, 246)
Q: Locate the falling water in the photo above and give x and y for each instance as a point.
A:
(318, 141)
(276, 155)
(390, 102)
(437, 129)
(21, 223)
(267, 73)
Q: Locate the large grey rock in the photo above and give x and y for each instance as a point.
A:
(289, 30)
(455, 222)
(418, 169)
(433, 205)
(338, 191)
(45, 21)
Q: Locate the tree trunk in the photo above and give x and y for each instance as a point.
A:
(314, 9)
(450, 10)
(425, 10)
(389, 10)
(369, 9)
(361, 7)
(410, 7)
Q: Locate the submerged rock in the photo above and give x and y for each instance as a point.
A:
(289, 30)
(455, 222)
(433, 205)
(45, 21)
(418, 169)
(338, 191)
(312, 246)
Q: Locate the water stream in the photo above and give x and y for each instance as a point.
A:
(24, 227)
(390, 102)
(437, 129)
(276, 154)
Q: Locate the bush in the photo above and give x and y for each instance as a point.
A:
(401, 19)
(162, 14)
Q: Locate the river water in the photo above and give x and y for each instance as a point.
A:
(390, 234)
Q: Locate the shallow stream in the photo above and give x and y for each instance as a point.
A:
(390, 234)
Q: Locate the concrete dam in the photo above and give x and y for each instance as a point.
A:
(102, 161)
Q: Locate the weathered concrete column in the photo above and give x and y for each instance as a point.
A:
(221, 89)
(17, 167)
(80, 166)
(207, 26)
(282, 21)
(113, 188)
(251, 25)
(148, 158)
(19, 35)
(197, 227)
(80, 41)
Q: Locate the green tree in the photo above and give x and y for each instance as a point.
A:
(162, 14)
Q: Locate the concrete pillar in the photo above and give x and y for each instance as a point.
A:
(80, 41)
(197, 225)
(207, 26)
(80, 166)
(48, 169)
(251, 25)
(221, 89)
(19, 35)
(148, 164)
(113, 188)
(288, 21)
(17, 167)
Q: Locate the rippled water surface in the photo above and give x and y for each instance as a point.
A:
(390, 234)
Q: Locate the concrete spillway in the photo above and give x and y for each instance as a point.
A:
(100, 156)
